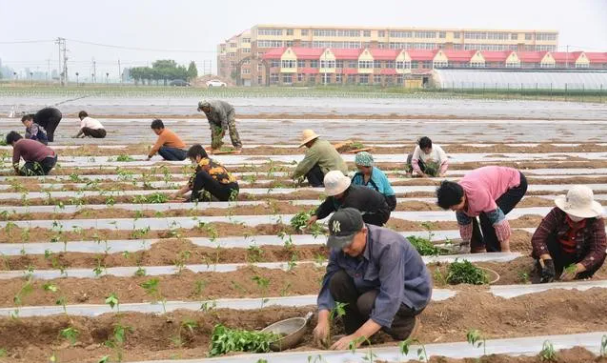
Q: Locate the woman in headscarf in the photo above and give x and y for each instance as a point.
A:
(370, 176)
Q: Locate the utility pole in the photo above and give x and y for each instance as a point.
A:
(119, 71)
(59, 41)
(94, 74)
(567, 58)
(65, 76)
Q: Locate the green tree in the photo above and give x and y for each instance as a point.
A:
(192, 71)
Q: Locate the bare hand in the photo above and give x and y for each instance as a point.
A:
(321, 333)
(568, 275)
(346, 342)
(312, 220)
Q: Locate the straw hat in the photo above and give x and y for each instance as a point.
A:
(336, 183)
(579, 202)
(307, 135)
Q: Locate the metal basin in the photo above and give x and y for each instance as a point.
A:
(292, 331)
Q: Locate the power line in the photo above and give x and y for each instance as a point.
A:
(140, 49)
(27, 41)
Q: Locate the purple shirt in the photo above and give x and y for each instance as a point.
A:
(30, 150)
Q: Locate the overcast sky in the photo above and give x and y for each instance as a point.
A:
(197, 26)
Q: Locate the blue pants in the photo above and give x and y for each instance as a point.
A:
(172, 153)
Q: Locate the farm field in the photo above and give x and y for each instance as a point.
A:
(97, 262)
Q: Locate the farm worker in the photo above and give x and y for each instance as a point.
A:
(221, 117)
(48, 118)
(211, 180)
(370, 176)
(33, 131)
(490, 193)
(573, 233)
(39, 158)
(168, 145)
(90, 127)
(341, 194)
(321, 157)
(427, 160)
(380, 277)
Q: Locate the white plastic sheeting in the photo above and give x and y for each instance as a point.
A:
(509, 292)
(527, 346)
(515, 80)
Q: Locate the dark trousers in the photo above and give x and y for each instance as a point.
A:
(31, 168)
(98, 134)
(378, 218)
(205, 187)
(360, 305)
(172, 153)
(488, 239)
(316, 177)
(562, 260)
(49, 118)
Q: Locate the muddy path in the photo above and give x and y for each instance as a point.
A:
(152, 336)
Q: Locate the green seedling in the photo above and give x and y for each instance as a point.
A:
(140, 272)
(3, 353)
(475, 338)
(603, 349)
(118, 340)
(124, 158)
(263, 283)
(25, 290)
(571, 269)
(337, 312)
(199, 286)
(99, 268)
(180, 263)
(70, 334)
(423, 246)
(466, 273)
(113, 301)
(548, 354)
(225, 340)
(62, 301)
(187, 326)
(49, 287)
(254, 254)
(104, 359)
(405, 347)
(140, 233)
(152, 288)
(285, 290)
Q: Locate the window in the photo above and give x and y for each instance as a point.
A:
(260, 67)
(352, 64)
(289, 31)
(377, 64)
(498, 36)
(272, 32)
(233, 45)
(304, 32)
(514, 36)
(301, 63)
(400, 79)
(365, 64)
(351, 79)
(457, 35)
(381, 33)
(246, 71)
(327, 64)
(442, 35)
(326, 78)
(289, 64)
(528, 36)
(400, 34)
(367, 33)
(513, 64)
(246, 50)
(259, 79)
(338, 78)
(246, 40)
(547, 65)
(289, 43)
(545, 36)
(245, 62)
(389, 80)
(336, 33)
(269, 44)
(425, 34)
(274, 63)
(390, 64)
(287, 78)
(403, 65)
(377, 79)
(306, 44)
(427, 64)
(313, 64)
(300, 77)
(440, 64)
(414, 64)
(581, 65)
(273, 78)
(363, 79)
(339, 64)
(477, 64)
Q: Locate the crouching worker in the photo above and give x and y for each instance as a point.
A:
(321, 157)
(342, 194)
(39, 158)
(33, 131)
(378, 275)
(211, 181)
(572, 234)
(372, 177)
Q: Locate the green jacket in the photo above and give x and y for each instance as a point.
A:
(323, 154)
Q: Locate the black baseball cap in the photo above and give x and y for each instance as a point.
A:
(343, 226)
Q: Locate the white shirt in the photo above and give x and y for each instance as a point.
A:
(91, 123)
(437, 155)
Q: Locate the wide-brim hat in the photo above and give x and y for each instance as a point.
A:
(579, 202)
(336, 183)
(307, 136)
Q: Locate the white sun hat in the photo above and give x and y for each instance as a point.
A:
(579, 202)
(307, 135)
(336, 183)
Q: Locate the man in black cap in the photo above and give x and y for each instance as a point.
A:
(380, 277)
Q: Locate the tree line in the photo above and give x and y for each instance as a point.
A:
(164, 70)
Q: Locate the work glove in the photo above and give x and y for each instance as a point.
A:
(548, 272)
